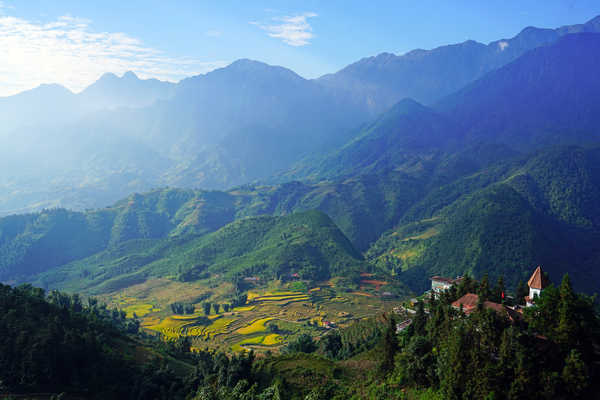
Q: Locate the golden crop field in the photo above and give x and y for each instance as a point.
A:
(245, 327)
(272, 339)
(268, 340)
(255, 327)
(140, 310)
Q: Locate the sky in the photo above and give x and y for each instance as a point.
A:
(74, 42)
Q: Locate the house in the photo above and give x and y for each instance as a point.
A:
(468, 304)
(251, 279)
(328, 324)
(536, 283)
(440, 284)
(403, 325)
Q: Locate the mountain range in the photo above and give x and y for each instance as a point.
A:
(494, 175)
(239, 124)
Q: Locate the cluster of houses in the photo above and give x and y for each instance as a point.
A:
(537, 282)
(469, 302)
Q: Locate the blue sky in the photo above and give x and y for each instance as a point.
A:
(74, 42)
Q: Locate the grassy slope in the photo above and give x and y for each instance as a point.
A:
(266, 245)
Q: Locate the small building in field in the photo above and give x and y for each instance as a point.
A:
(536, 283)
(440, 284)
(328, 324)
(403, 325)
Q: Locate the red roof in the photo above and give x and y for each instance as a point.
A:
(538, 280)
(468, 302)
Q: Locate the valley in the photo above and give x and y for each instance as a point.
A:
(251, 234)
(271, 317)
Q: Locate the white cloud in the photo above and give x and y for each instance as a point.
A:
(69, 52)
(293, 30)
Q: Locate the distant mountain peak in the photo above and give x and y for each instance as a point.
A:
(50, 88)
(408, 106)
(248, 63)
(108, 76)
(130, 75)
(594, 22)
(245, 66)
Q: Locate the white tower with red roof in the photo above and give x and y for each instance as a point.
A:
(536, 283)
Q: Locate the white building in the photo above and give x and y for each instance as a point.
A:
(440, 284)
(536, 283)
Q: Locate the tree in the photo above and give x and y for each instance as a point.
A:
(419, 320)
(216, 307)
(304, 344)
(484, 288)
(390, 346)
(226, 307)
(522, 291)
(331, 344)
(206, 307)
(566, 332)
(453, 364)
(189, 308)
(177, 308)
(575, 374)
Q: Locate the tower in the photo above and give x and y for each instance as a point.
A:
(536, 283)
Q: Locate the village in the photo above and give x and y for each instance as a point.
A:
(510, 308)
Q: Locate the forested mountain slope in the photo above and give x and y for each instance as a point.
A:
(548, 96)
(308, 244)
(538, 210)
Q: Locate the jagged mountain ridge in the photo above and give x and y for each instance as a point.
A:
(546, 97)
(234, 125)
(429, 75)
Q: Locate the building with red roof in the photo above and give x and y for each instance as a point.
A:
(468, 304)
(536, 283)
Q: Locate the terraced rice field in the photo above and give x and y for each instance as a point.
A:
(256, 326)
(257, 341)
(293, 312)
(178, 326)
(244, 309)
(140, 310)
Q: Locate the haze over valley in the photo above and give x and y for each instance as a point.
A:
(422, 224)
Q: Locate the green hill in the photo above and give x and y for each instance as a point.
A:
(504, 220)
(269, 247)
(453, 214)
(34, 243)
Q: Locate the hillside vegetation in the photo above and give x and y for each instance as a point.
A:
(539, 210)
(268, 247)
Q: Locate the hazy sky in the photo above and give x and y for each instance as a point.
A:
(73, 42)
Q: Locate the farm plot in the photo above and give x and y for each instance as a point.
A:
(175, 327)
(257, 341)
(256, 326)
